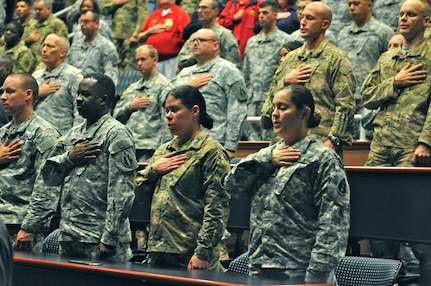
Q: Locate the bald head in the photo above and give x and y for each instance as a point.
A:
(322, 9)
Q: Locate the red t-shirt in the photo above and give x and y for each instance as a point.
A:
(169, 42)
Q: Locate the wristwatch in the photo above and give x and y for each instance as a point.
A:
(336, 141)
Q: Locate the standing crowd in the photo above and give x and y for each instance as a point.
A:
(315, 73)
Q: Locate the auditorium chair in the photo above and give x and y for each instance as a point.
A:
(51, 243)
(239, 265)
(355, 271)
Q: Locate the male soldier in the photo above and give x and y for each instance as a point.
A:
(399, 87)
(94, 53)
(127, 18)
(363, 41)
(96, 165)
(141, 105)
(26, 202)
(222, 85)
(340, 15)
(6, 68)
(23, 10)
(58, 85)
(327, 72)
(23, 57)
(207, 14)
(46, 24)
(261, 61)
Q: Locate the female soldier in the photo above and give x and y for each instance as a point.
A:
(189, 207)
(300, 209)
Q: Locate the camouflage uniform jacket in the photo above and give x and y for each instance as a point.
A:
(99, 56)
(404, 118)
(148, 125)
(228, 45)
(225, 96)
(262, 57)
(190, 206)
(127, 19)
(340, 15)
(300, 214)
(59, 108)
(364, 46)
(387, 11)
(52, 24)
(24, 198)
(23, 58)
(97, 196)
(332, 84)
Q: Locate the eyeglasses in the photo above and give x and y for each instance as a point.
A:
(409, 14)
(201, 40)
(86, 21)
(204, 7)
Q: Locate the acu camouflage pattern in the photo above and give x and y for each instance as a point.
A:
(228, 46)
(300, 215)
(51, 25)
(404, 118)
(148, 125)
(59, 108)
(332, 84)
(387, 11)
(24, 61)
(225, 96)
(24, 198)
(364, 46)
(99, 56)
(97, 196)
(90, 251)
(190, 205)
(262, 57)
(340, 15)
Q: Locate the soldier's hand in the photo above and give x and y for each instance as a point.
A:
(33, 37)
(196, 263)
(168, 163)
(84, 151)
(410, 75)
(285, 156)
(47, 88)
(140, 102)
(300, 75)
(133, 40)
(422, 156)
(199, 80)
(24, 241)
(105, 251)
(9, 152)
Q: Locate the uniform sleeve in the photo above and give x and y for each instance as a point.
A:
(110, 63)
(77, 118)
(343, 87)
(44, 198)
(57, 166)
(122, 110)
(332, 199)
(216, 199)
(185, 56)
(26, 62)
(236, 110)
(231, 49)
(142, 16)
(250, 173)
(108, 7)
(121, 186)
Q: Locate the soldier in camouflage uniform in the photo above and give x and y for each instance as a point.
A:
(261, 61)
(96, 165)
(189, 204)
(208, 14)
(58, 85)
(46, 24)
(340, 15)
(300, 212)
(327, 72)
(6, 68)
(23, 57)
(399, 86)
(128, 16)
(387, 11)
(23, 10)
(141, 107)
(363, 41)
(94, 53)
(26, 203)
(222, 85)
